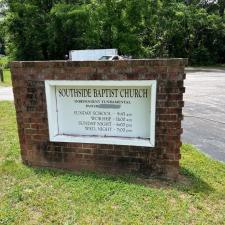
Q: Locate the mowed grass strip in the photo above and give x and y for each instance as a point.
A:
(44, 196)
(7, 79)
(6, 72)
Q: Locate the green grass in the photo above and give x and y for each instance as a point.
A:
(7, 78)
(216, 66)
(42, 196)
(6, 72)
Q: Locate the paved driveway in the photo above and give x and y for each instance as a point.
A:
(6, 94)
(204, 111)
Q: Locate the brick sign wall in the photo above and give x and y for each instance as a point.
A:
(32, 117)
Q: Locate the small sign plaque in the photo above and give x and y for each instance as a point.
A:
(104, 112)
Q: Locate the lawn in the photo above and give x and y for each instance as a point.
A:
(7, 78)
(6, 73)
(41, 196)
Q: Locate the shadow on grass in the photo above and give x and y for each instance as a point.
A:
(187, 182)
(192, 183)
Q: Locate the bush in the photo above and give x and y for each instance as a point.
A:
(4, 62)
(201, 56)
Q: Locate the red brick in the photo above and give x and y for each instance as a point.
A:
(28, 82)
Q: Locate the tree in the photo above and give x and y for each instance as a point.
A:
(66, 29)
(48, 29)
(111, 27)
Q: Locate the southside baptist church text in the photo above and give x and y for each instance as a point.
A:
(102, 93)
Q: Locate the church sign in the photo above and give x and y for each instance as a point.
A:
(102, 112)
(115, 117)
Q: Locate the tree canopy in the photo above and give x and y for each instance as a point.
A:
(48, 29)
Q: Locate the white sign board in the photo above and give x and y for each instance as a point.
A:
(104, 112)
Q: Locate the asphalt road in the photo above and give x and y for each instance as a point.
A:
(204, 111)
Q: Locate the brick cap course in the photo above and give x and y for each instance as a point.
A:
(130, 62)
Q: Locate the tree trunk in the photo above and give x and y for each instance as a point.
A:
(1, 75)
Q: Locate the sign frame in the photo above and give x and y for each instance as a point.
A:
(54, 136)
